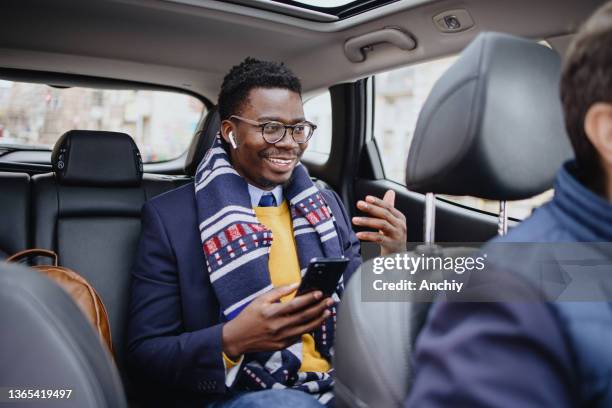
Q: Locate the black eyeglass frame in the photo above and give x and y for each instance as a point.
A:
(262, 125)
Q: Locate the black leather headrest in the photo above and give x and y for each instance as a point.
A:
(492, 126)
(202, 141)
(96, 158)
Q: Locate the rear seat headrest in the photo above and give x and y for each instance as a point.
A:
(202, 141)
(96, 158)
(492, 126)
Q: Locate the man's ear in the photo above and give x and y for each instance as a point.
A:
(228, 133)
(598, 128)
(225, 129)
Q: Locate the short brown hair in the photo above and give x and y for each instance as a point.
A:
(585, 80)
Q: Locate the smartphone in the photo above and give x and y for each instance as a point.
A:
(322, 274)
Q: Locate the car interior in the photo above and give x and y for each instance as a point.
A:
(78, 187)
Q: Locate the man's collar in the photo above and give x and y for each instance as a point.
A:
(256, 193)
(587, 215)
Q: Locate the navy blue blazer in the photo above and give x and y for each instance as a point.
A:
(175, 325)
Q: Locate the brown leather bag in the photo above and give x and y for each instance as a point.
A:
(77, 287)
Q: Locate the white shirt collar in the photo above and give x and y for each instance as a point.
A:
(256, 193)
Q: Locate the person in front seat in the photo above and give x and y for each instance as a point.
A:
(535, 354)
(213, 310)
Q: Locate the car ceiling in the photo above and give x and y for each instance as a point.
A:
(191, 44)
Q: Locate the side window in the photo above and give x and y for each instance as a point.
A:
(162, 123)
(399, 97)
(318, 111)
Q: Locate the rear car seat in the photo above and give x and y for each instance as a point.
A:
(88, 211)
(14, 214)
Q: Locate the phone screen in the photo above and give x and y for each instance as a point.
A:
(322, 274)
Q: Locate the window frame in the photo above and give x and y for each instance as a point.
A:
(62, 79)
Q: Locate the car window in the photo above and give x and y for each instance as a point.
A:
(398, 99)
(36, 115)
(399, 96)
(318, 110)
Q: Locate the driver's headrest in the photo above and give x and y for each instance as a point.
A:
(96, 158)
(492, 126)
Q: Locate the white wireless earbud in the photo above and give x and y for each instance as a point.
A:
(232, 140)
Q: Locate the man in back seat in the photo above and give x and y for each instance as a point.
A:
(529, 353)
(213, 315)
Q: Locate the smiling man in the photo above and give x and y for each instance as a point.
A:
(213, 314)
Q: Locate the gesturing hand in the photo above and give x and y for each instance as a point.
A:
(266, 325)
(384, 217)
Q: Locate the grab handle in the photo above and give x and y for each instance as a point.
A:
(355, 47)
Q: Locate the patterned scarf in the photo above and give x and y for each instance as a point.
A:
(236, 247)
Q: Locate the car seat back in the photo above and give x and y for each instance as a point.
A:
(88, 212)
(49, 345)
(14, 217)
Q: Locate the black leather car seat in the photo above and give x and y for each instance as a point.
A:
(47, 344)
(88, 211)
(492, 128)
(205, 135)
(14, 213)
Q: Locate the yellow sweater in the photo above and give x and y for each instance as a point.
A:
(285, 270)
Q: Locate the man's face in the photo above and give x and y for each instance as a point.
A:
(263, 164)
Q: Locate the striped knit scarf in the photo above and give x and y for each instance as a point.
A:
(236, 248)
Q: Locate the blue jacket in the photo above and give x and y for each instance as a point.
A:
(576, 214)
(175, 327)
(525, 354)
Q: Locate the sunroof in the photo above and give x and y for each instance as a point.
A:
(315, 10)
(324, 3)
(339, 8)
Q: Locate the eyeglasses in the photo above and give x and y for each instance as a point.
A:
(274, 132)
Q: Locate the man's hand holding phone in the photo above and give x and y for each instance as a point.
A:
(268, 325)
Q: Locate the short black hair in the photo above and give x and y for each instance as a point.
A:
(253, 73)
(585, 80)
